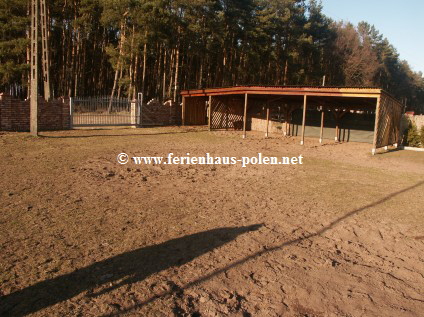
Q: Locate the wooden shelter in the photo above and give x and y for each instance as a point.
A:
(343, 113)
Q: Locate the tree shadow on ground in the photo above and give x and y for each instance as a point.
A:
(134, 266)
(123, 269)
(115, 135)
(253, 256)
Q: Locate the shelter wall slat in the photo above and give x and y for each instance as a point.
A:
(387, 132)
(195, 111)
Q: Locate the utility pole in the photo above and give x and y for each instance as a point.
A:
(34, 69)
(38, 17)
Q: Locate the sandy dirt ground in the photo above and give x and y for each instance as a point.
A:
(81, 235)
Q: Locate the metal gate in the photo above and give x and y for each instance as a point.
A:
(104, 111)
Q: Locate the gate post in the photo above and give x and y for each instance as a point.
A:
(71, 113)
(134, 114)
(140, 109)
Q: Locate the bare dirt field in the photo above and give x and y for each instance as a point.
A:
(81, 235)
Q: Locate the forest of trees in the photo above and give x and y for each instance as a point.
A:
(159, 47)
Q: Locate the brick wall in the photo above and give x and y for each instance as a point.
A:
(15, 114)
(156, 113)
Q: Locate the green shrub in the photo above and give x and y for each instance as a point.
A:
(412, 136)
(422, 136)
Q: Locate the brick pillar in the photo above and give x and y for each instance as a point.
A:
(134, 113)
(66, 114)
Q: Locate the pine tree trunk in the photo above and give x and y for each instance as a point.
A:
(77, 63)
(164, 76)
(158, 72)
(171, 73)
(118, 66)
(199, 85)
(135, 77)
(121, 73)
(143, 87)
(130, 87)
(177, 61)
(286, 69)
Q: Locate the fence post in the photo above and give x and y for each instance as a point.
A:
(140, 109)
(134, 113)
(71, 113)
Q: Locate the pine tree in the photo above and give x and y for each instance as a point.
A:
(158, 47)
(14, 25)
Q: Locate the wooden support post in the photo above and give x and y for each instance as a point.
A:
(377, 120)
(286, 126)
(286, 117)
(267, 119)
(45, 50)
(289, 111)
(245, 116)
(338, 114)
(304, 120)
(210, 113)
(321, 135)
(336, 138)
(34, 69)
(183, 111)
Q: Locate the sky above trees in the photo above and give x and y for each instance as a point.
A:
(401, 22)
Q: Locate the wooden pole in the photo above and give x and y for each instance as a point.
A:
(304, 120)
(267, 119)
(336, 118)
(245, 116)
(287, 131)
(183, 111)
(336, 138)
(45, 50)
(322, 126)
(286, 118)
(210, 113)
(286, 125)
(338, 115)
(377, 120)
(34, 69)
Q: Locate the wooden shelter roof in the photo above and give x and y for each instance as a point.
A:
(358, 92)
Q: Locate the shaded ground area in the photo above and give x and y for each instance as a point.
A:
(82, 235)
